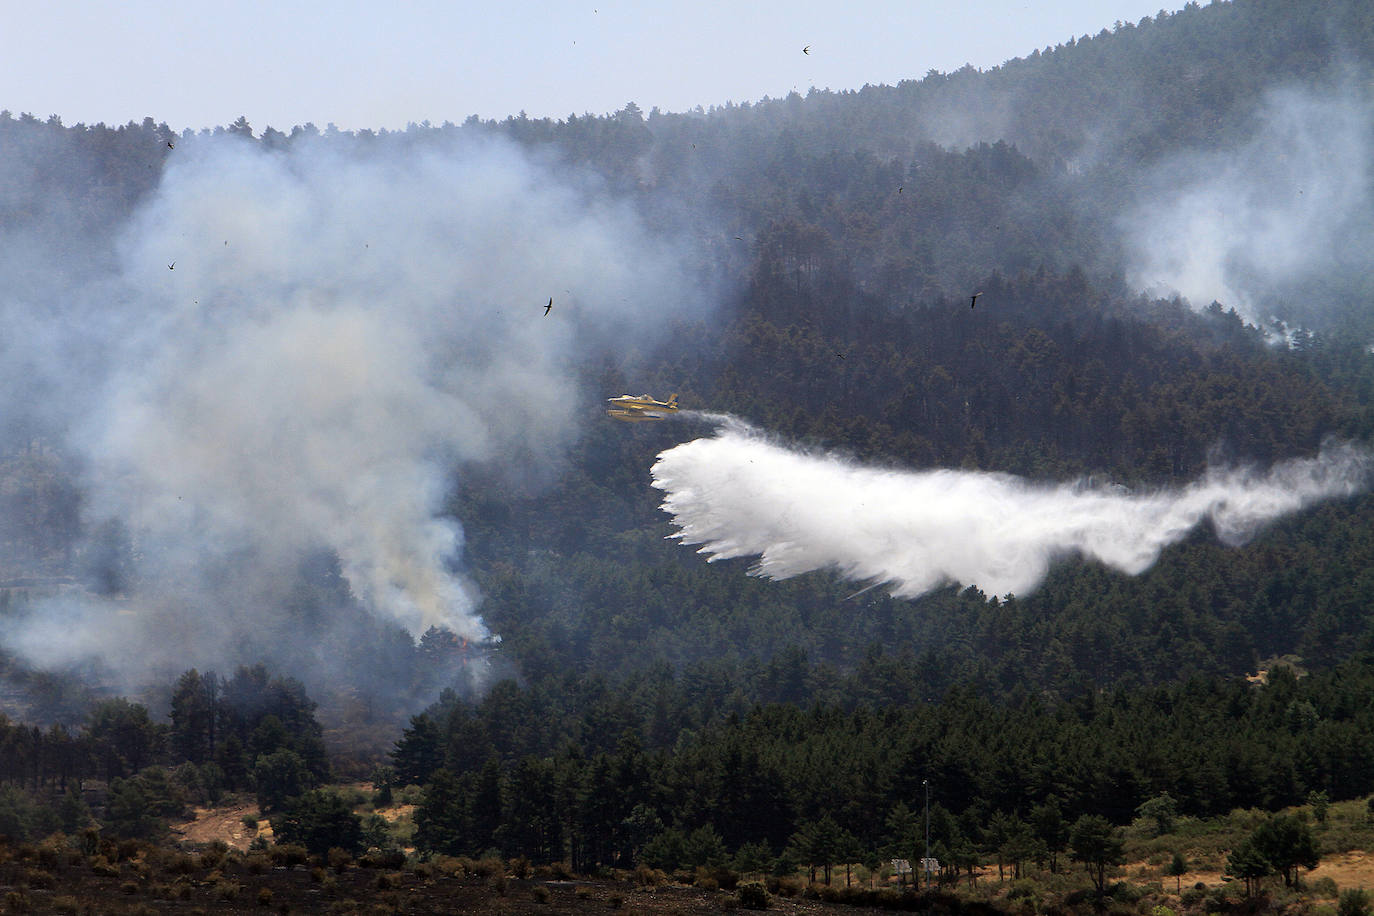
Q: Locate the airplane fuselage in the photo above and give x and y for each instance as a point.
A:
(633, 409)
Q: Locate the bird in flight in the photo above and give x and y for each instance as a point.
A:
(170, 145)
(973, 300)
(806, 50)
(172, 266)
(548, 307)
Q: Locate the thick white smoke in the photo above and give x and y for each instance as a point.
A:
(1263, 227)
(294, 351)
(738, 495)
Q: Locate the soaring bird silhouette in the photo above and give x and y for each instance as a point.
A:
(172, 266)
(806, 50)
(171, 145)
(548, 308)
(973, 300)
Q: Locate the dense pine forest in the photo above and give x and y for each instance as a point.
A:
(630, 705)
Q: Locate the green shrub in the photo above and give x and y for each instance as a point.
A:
(1354, 902)
(1122, 892)
(485, 868)
(102, 867)
(753, 895)
(1325, 886)
(650, 877)
(214, 855)
(50, 856)
(448, 865)
(790, 886)
(318, 820)
(288, 855)
(380, 858)
(715, 878)
(1217, 900)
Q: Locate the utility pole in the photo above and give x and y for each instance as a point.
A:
(926, 783)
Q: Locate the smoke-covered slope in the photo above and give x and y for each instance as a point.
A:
(294, 379)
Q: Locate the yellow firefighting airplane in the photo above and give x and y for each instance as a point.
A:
(636, 409)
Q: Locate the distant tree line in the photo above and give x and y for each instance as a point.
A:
(252, 731)
(609, 785)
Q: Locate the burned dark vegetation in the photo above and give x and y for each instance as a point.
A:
(956, 272)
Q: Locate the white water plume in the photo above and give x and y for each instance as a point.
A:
(738, 495)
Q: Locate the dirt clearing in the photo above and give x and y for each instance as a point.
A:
(225, 824)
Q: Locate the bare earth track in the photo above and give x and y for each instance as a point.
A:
(224, 824)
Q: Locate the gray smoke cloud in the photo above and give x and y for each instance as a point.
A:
(292, 352)
(1271, 226)
(736, 494)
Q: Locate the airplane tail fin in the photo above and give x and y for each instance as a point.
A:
(672, 400)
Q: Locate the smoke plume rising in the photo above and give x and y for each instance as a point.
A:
(738, 495)
(1271, 226)
(290, 352)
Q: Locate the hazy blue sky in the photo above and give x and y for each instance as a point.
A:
(383, 63)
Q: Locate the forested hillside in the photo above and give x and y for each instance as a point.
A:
(539, 769)
(638, 695)
(858, 227)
